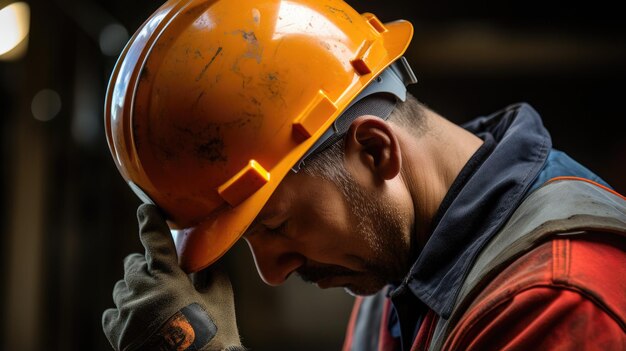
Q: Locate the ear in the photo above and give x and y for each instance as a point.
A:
(371, 147)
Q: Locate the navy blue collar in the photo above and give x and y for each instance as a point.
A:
(488, 195)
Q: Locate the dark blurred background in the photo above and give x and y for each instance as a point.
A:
(68, 218)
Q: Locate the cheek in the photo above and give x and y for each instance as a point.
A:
(327, 222)
(324, 223)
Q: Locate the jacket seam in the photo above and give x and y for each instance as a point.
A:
(561, 254)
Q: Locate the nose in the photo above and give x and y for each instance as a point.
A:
(274, 258)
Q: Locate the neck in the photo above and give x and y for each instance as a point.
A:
(431, 163)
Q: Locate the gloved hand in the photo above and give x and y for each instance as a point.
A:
(158, 306)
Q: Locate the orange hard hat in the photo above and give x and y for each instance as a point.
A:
(213, 102)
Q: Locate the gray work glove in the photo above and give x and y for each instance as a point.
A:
(158, 306)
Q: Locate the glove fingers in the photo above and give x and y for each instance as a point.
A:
(120, 290)
(156, 237)
(110, 319)
(136, 274)
(132, 260)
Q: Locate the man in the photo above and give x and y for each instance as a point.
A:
(288, 123)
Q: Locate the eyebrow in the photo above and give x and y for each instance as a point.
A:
(258, 220)
(262, 217)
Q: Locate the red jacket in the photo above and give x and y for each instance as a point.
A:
(553, 298)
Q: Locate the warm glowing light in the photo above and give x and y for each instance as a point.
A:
(14, 25)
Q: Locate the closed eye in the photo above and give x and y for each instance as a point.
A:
(253, 229)
(279, 229)
(266, 226)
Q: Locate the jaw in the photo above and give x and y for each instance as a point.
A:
(360, 285)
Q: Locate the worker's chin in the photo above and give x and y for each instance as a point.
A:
(353, 285)
(364, 288)
(332, 276)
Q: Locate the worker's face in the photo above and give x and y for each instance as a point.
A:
(334, 235)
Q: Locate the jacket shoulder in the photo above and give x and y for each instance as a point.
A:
(569, 291)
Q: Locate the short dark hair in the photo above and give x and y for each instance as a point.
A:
(328, 164)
